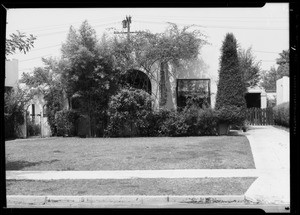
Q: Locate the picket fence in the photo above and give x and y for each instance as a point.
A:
(259, 116)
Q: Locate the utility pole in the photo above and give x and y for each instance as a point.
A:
(126, 24)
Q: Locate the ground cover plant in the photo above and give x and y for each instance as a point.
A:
(61, 153)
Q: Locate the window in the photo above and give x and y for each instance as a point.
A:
(195, 89)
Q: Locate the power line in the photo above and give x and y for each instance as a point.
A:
(35, 58)
(64, 31)
(70, 23)
(215, 26)
(266, 52)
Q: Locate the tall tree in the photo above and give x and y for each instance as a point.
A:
(89, 72)
(230, 100)
(270, 77)
(250, 68)
(18, 41)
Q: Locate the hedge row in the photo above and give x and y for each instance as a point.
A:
(282, 114)
(130, 114)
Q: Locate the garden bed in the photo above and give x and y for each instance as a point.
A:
(226, 152)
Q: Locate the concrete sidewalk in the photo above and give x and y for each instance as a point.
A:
(131, 174)
(271, 151)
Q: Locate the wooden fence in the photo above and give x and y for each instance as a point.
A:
(258, 116)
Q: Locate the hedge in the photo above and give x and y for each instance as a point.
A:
(282, 114)
(130, 114)
(65, 121)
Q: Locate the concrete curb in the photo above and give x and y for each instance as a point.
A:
(69, 201)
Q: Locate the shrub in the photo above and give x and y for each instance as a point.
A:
(231, 114)
(230, 100)
(175, 125)
(282, 114)
(66, 122)
(129, 112)
(191, 121)
(33, 129)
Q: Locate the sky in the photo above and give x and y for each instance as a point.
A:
(264, 29)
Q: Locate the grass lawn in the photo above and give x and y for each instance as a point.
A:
(203, 186)
(219, 152)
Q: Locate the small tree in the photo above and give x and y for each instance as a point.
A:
(250, 68)
(270, 77)
(230, 100)
(15, 102)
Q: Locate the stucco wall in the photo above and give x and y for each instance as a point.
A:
(11, 72)
(282, 90)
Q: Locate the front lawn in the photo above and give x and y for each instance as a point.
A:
(199, 186)
(223, 152)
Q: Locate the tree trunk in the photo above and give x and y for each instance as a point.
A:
(165, 96)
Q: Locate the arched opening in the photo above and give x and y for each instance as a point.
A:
(138, 79)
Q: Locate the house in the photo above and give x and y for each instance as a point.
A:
(282, 90)
(11, 82)
(256, 97)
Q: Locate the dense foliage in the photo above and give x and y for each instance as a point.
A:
(128, 113)
(282, 114)
(131, 114)
(230, 100)
(15, 101)
(66, 121)
(90, 73)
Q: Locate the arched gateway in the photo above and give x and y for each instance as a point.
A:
(138, 79)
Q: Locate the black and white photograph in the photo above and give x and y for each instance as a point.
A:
(148, 107)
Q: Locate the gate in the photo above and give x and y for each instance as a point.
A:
(258, 116)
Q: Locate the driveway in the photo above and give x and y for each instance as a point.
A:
(271, 152)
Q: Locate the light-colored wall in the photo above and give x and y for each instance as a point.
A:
(11, 73)
(282, 90)
(39, 102)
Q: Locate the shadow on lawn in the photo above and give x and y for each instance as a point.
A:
(19, 165)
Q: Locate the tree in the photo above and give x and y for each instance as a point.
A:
(230, 100)
(48, 81)
(270, 77)
(19, 42)
(89, 73)
(15, 102)
(284, 63)
(174, 46)
(250, 68)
